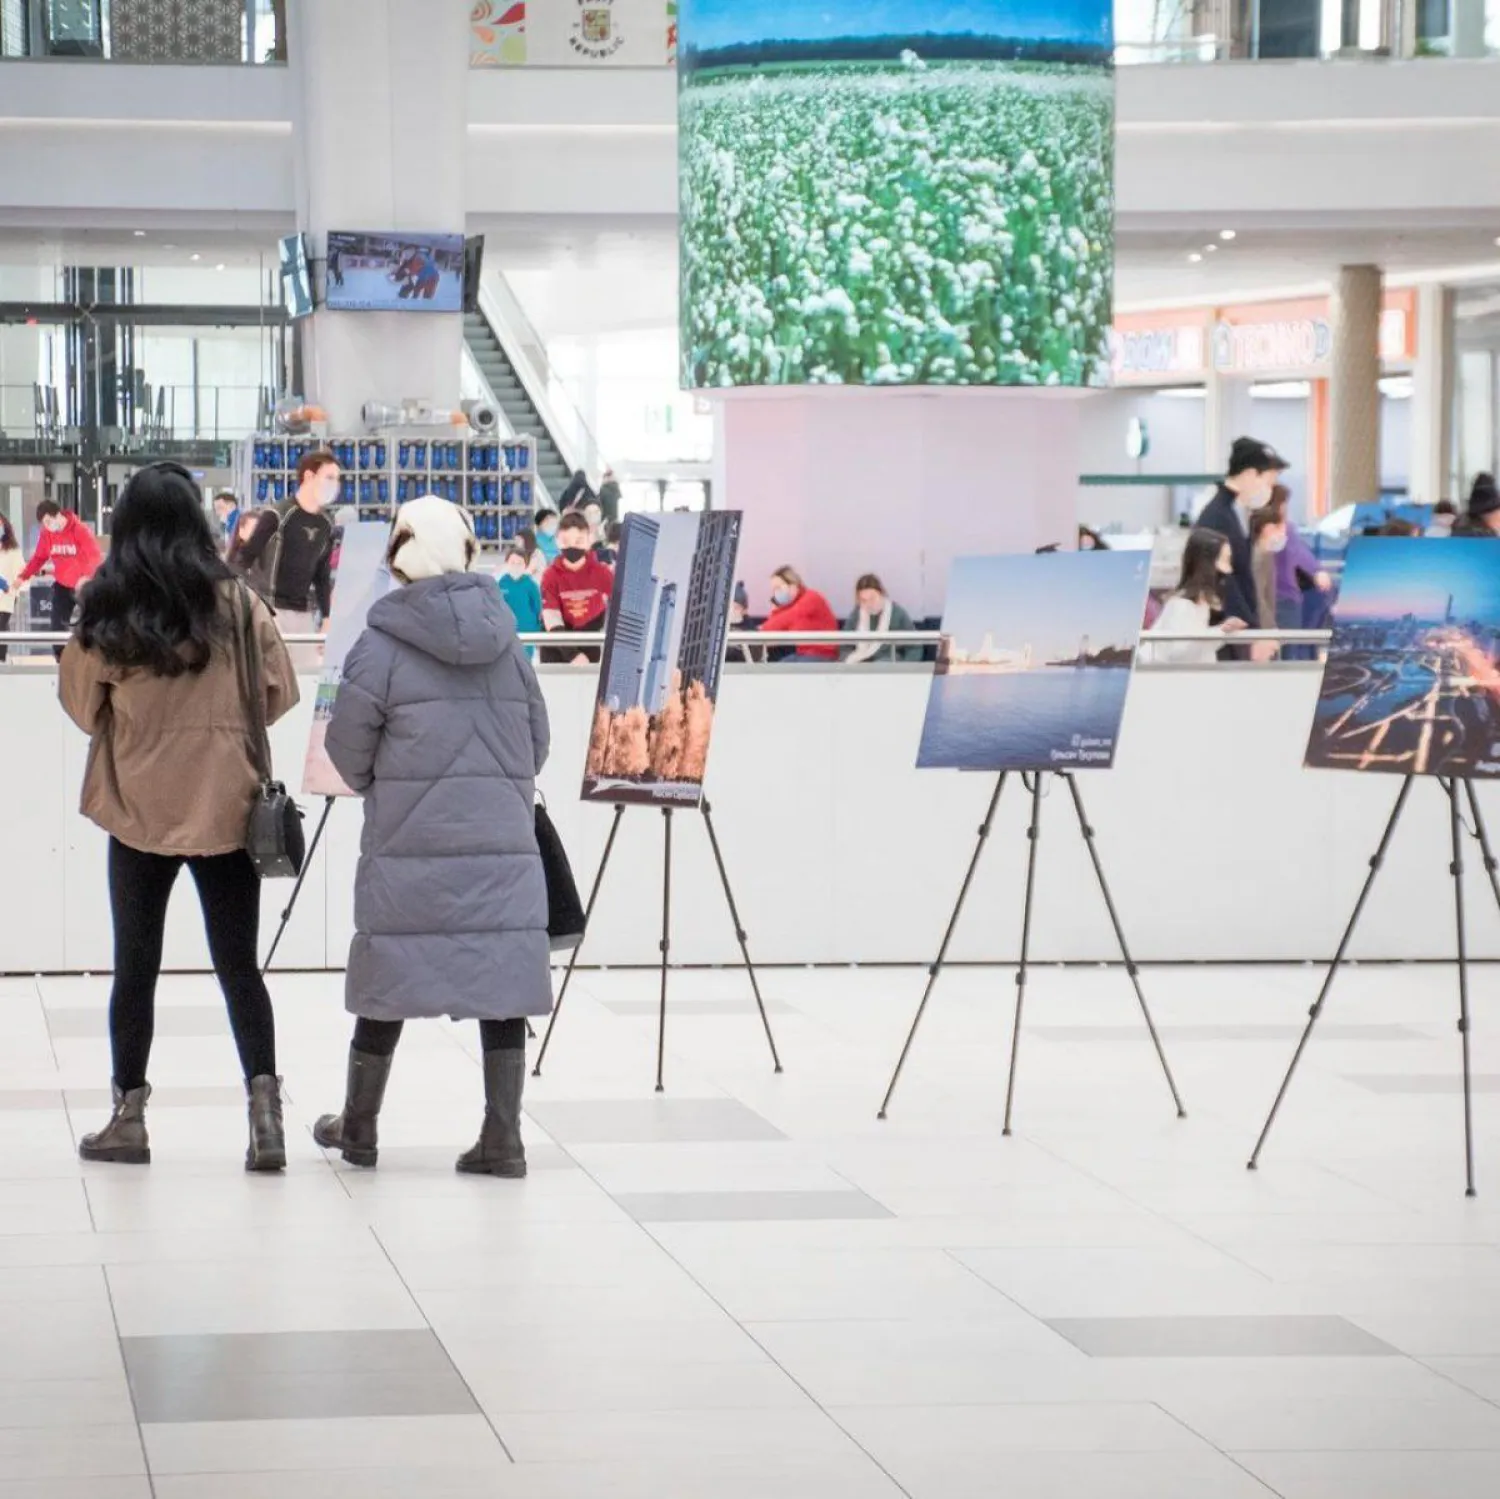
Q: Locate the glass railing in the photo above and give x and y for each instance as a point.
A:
(36, 416)
(233, 32)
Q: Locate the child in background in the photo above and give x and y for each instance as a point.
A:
(521, 592)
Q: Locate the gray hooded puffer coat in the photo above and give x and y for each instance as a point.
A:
(440, 724)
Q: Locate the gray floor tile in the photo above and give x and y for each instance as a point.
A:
(30, 1099)
(1211, 1033)
(166, 1097)
(293, 1375)
(1220, 1337)
(651, 1121)
(755, 1207)
(80, 1022)
(431, 1160)
(1421, 1084)
(678, 1010)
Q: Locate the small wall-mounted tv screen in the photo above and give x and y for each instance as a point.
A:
(390, 272)
(473, 271)
(296, 279)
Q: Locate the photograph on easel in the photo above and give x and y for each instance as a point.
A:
(1035, 661)
(664, 646)
(1411, 684)
(360, 577)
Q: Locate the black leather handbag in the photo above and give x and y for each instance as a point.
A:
(565, 919)
(274, 838)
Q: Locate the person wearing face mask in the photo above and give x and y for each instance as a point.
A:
(575, 590)
(798, 607)
(521, 593)
(288, 559)
(1196, 605)
(1302, 584)
(1254, 470)
(69, 546)
(1267, 543)
(545, 531)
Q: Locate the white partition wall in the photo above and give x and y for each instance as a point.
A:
(1219, 846)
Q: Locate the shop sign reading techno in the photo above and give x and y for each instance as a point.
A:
(1299, 343)
(1291, 339)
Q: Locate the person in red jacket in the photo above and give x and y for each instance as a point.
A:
(70, 547)
(798, 607)
(575, 591)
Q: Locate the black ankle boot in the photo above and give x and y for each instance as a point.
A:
(498, 1151)
(124, 1139)
(354, 1133)
(267, 1148)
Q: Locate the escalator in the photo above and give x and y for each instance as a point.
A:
(510, 396)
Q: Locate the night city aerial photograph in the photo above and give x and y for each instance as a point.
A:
(1411, 684)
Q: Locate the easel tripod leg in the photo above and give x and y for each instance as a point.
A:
(1333, 968)
(1130, 965)
(1033, 835)
(291, 904)
(937, 967)
(666, 948)
(588, 912)
(739, 930)
(1455, 821)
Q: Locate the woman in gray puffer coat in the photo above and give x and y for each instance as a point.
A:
(440, 725)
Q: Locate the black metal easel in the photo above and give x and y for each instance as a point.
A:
(1450, 785)
(1033, 783)
(291, 904)
(666, 938)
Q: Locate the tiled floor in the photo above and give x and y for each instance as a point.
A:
(751, 1289)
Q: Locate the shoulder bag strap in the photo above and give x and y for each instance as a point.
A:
(278, 542)
(248, 654)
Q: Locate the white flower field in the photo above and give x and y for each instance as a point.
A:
(848, 223)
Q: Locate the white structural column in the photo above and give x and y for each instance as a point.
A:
(381, 134)
(839, 482)
(1432, 398)
(1468, 28)
(1354, 386)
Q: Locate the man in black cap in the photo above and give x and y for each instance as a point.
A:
(1483, 515)
(1254, 468)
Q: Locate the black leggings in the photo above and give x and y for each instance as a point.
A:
(378, 1038)
(140, 886)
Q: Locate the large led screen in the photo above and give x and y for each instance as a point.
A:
(896, 192)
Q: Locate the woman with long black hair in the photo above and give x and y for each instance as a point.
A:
(155, 676)
(1196, 605)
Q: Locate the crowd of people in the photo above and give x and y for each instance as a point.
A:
(1246, 567)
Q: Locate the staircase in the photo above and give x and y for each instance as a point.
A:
(510, 395)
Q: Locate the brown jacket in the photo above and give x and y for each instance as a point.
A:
(170, 768)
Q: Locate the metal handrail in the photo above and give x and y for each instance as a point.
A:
(779, 638)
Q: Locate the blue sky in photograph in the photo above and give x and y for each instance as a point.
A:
(1388, 576)
(1051, 601)
(724, 23)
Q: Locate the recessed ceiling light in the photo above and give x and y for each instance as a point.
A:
(195, 256)
(169, 247)
(220, 266)
(1210, 249)
(1226, 234)
(140, 234)
(1195, 257)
